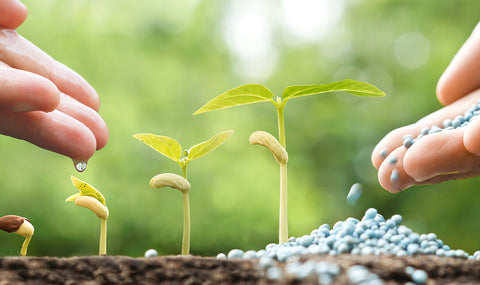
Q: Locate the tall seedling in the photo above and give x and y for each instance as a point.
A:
(254, 93)
(172, 150)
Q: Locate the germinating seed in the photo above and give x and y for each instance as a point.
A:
(448, 124)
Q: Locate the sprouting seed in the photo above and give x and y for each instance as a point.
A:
(20, 226)
(91, 198)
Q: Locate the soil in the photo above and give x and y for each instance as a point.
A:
(208, 270)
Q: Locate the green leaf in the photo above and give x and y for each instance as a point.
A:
(205, 147)
(85, 190)
(351, 86)
(164, 145)
(245, 94)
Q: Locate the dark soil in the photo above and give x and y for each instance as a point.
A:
(207, 270)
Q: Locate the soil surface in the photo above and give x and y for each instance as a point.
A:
(208, 270)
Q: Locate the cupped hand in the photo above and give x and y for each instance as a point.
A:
(433, 158)
(41, 100)
(442, 156)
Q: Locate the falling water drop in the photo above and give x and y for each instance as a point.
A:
(80, 166)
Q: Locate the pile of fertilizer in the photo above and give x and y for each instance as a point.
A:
(373, 235)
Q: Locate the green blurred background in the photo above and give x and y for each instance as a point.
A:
(154, 63)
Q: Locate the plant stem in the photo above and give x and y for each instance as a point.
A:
(186, 218)
(103, 238)
(186, 225)
(23, 251)
(283, 221)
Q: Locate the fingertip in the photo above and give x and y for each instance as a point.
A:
(82, 147)
(471, 138)
(73, 84)
(13, 14)
(442, 91)
(87, 116)
(103, 135)
(22, 91)
(391, 174)
(64, 135)
(46, 95)
(378, 155)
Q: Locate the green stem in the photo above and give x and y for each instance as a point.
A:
(186, 225)
(23, 251)
(184, 171)
(283, 221)
(103, 238)
(281, 126)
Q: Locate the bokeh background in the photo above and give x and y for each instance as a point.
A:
(155, 62)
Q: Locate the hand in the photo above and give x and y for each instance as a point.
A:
(41, 100)
(447, 155)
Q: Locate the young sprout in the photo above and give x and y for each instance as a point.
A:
(172, 150)
(20, 226)
(92, 199)
(254, 93)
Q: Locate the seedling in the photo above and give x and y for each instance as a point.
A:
(254, 93)
(92, 199)
(173, 150)
(20, 226)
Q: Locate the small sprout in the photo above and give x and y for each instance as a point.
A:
(171, 149)
(255, 93)
(270, 142)
(20, 226)
(170, 180)
(92, 199)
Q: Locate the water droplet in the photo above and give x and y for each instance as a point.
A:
(80, 166)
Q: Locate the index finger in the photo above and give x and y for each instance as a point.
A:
(12, 14)
(19, 53)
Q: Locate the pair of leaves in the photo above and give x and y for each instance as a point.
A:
(85, 190)
(253, 93)
(173, 150)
